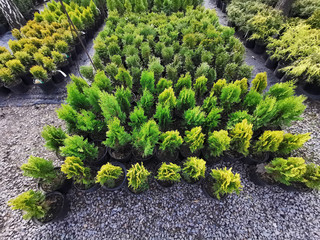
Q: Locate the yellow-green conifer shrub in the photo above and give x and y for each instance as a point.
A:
(193, 169)
(108, 175)
(260, 82)
(240, 136)
(138, 178)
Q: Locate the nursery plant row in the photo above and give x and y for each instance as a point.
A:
(107, 133)
(292, 44)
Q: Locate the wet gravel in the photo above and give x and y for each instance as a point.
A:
(182, 212)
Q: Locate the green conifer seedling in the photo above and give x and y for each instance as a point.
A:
(169, 173)
(163, 84)
(137, 118)
(194, 117)
(240, 136)
(123, 78)
(213, 118)
(260, 82)
(200, 86)
(237, 117)
(218, 142)
(167, 98)
(311, 178)
(170, 141)
(269, 141)
(108, 175)
(230, 95)
(163, 116)
(123, 96)
(183, 82)
(186, 99)
(138, 178)
(147, 81)
(193, 169)
(194, 139)
(111, 108)
(292, 142)
(54, 137)
(146, 101)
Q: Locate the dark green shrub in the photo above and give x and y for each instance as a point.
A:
(183, 82)
(117, 137)
(230, 95)
(162, 85)
(237, 117)
(213, 118)
(102, 82)
(251, 100)
(123, 78)
(311, 178)
(186, 99)
(146, 101)
(147, 81)
(209, 103)
(87, 72)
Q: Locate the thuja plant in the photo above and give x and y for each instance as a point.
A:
(108, 175)
(292, 142)
(218, 86)
(138, 178)
(111, 108)
(194, 139)
(282, 90)
(200, 87)
(54, 137)
(32, 203)
(269, 141)
(102, 82)
(209, 103)
(213, 118)
(117, 138)
(167, 98)
(225, 182)
(87, 72)
(311, 178)
(218, 142)
(194, 117)
(287, 171)
(145, 139)
(146, 101)
(237, 117)
(163, 84)
(69, 115)
(163, 116)
(76, 98)
(183, 82)
(186, 100)
(259, 83)
(230, 95)
(169, 172)
(240, 136)
(87, 122)
(193, 169)
(264, 112)
(137, 118)
(39, 168)
(123, 96)
(251, 100)
(74, 168)
(77, 146)
(170, 142)
(123, 78)
(147, 81)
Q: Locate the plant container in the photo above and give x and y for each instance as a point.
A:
(206, 186)
(277, 72)
(65, 66)
(295, 187)
(58, 76)
(210, 159)
(27, 78)
(58, 211)
(78, 45)
(191, 181)
(271, 64)
(3, 28)
(63, 186)
(46, 86)
(4, 91)
(91, 189)
(259, 47)
(164, 156)
(138, 158)
(311, 88)
(120, 182)
(19, 87)
(249, 43)
(103, 156)
(120, 157)
(259, 176)
(129, 190)
(185, 152)
(165, 184)
(233, 156)
(256, 159)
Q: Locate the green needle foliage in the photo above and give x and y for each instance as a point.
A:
(240, 136)
(123, 78)
(169, 173)
(88, 123)
(163, 115)
(54, 137)
(230, 94)
(311, 178)
(102, 82)
(156, 67)
(225, 182)
(218, 86)
(92, 94)
(108, 175)
(39, 168)
(137, 118)
(163, 84)
(200, 86)
(79, 82)
(218, 142)
(213, 118)
(194, 139)
(251, 100)
(264, 112)
(194, 117)
(167, 98)
(186, 99)
(282, 90)
(237, 117)
(260, 82)
(87, 72)
(183, 82)
(147, 81)
(146, 101)
(269, 141)
(123, 96)
(193, 169)
(170, 141)
(74, 168)
(287, 171)
(117, 137)
(292, 142)
(209, 103)
(243, 84)
(69, 115)
(111, 108)
(77, 146)
(75, 98)
(138, 178)
(31, 203)
(145, 139)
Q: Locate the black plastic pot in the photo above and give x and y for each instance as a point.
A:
(73, 54)
(4, 91)
(253, 160)
(94, 188)
(64, 188)
(136, 193)
(193, 182)
(204, 187)
(19, 88)
(250, 43)
(185, 152)
(78, 45)
(224, 7)
(311, 88)
(295, 187)
(124, 178)
(259, 47)
(103, 159)
(285, 78)
(163, 158)
(126, 159)
(138, 158)
(209, 159)
(277, 72)
(60, 213)
(65, 67)
(219, 3)
(58, 76)
(27, 78)
(255, 177)
(232, 158)
(3, 28)
(271, 64)
(47, 86)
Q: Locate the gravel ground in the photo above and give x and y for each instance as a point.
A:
(182, 212)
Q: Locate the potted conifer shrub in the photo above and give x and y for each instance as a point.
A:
(185, 101)
(217, 143)
(168, 174)
(20, 71)
(193, 170)
(118, 141)
(83, 177)
(54, 138)
(193, 143)
(138, 178)
(221, 182)
(144, 141)
(51, 178)
(170, 143)
(42, 79)
(111, 176)
(41, 208)
(11, 82)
